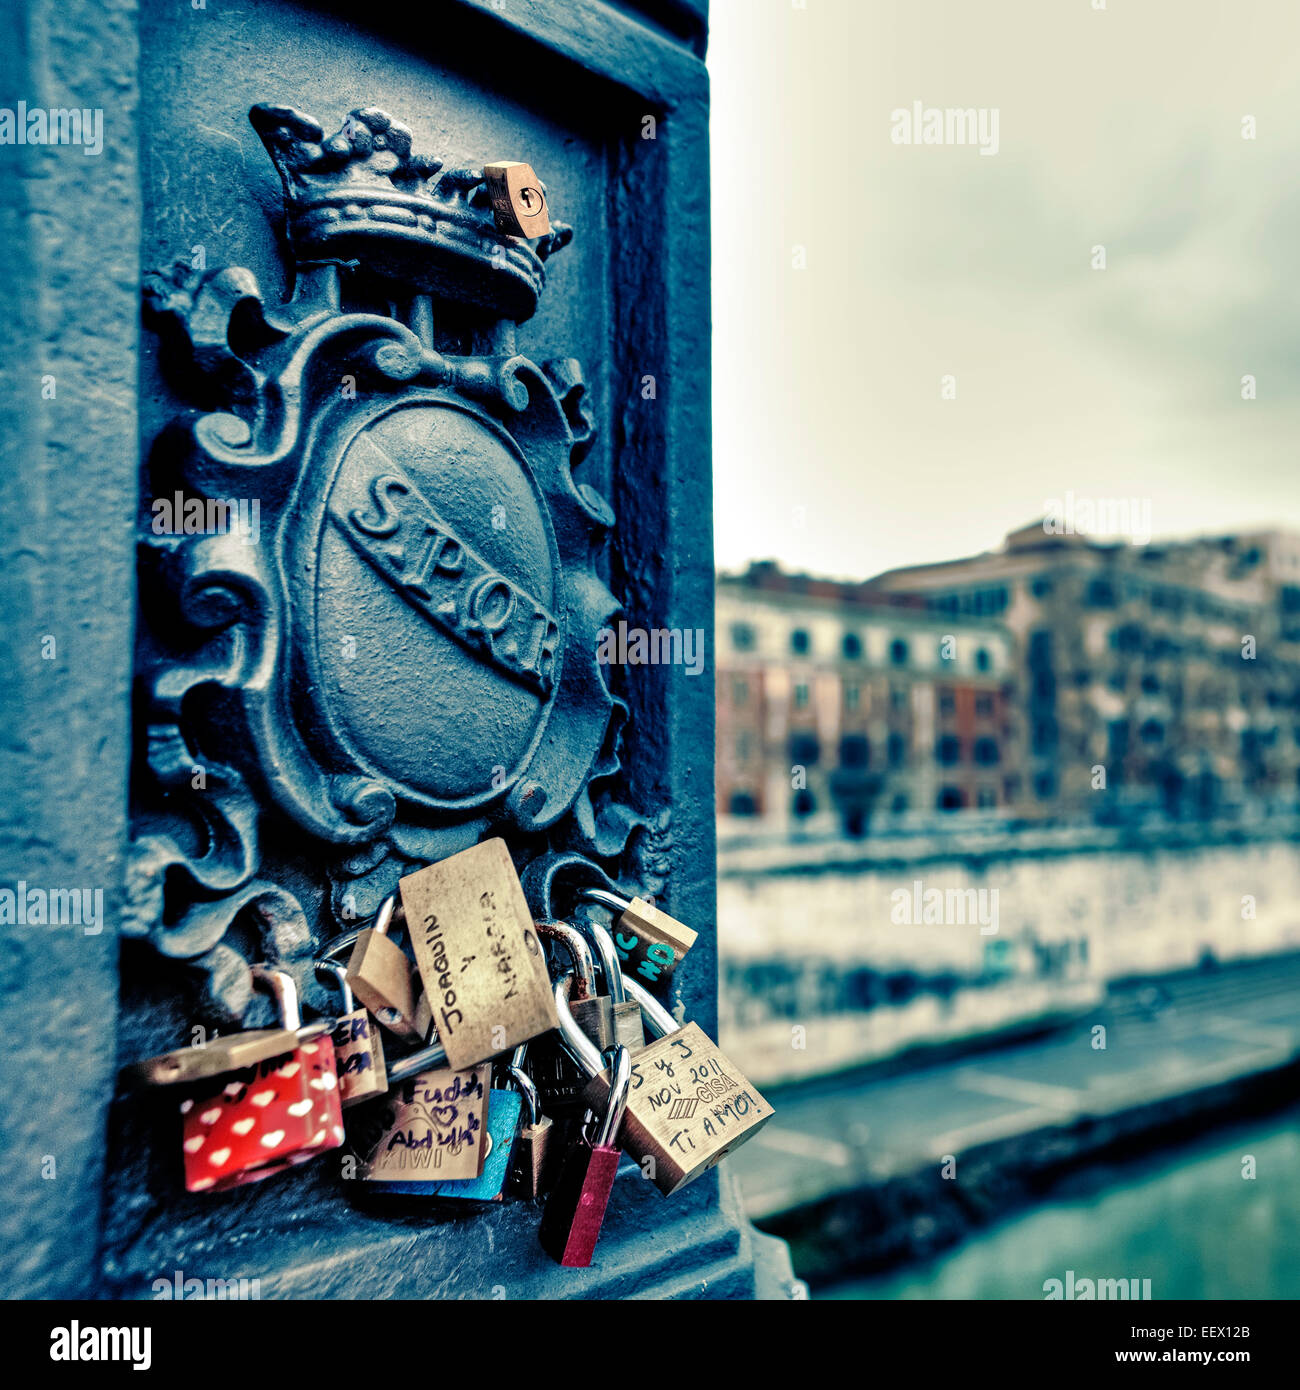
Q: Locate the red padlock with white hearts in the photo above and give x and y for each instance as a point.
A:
(250, 1124)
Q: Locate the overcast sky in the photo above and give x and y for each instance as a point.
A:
(833, 450)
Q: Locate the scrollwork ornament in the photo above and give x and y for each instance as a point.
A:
(370, 602)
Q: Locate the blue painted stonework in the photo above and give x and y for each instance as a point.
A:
(243, 741)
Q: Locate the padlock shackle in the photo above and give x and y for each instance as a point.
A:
(383, 919)
(380, 923)
(340, 977)
(604, 898)
(435, 1055)
(336, 945)
(279, 984)
(602, 943)
(575, 1042)
(619, 1061)
(573, 941)
(657, 1018)
(528, 1091)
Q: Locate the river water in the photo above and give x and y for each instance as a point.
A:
(1188, 1221)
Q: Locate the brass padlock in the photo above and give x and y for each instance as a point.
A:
(429, 1129)
(478, 953)
(533, 1167)
(650, 943)
(358, 1052)
(629, 1028)
(200, 1062)
(592, 1011)
(383, 978)
(689, 1105)
(518, 200)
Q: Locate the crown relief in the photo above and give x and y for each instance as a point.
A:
(365, 198)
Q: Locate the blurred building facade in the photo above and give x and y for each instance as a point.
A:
(1057, 677)
(838, 704)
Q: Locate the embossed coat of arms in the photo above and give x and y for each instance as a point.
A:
(401, 656)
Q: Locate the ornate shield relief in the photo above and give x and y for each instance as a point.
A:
(371, 602)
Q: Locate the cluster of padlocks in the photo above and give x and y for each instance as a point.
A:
(517, 1061)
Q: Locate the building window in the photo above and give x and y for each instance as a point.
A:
(852, 646)
(742, 804)
(897, 750)
(799, 643)
(982, 659)
(1152, 731)
(1045, 786)
(986, 797)
(804, 803)
(801, 696)
(897, 697)
(742, 637)
(950, 799)
(1100, 594)
(987, 752)
(739, 691)
(1044, 737)
(742, 747)
(851, 696)
(984, 705)
(898, 652)
(1127, 638)
(948, 750)
(899, 804)
(947, 701)
(1041, 588)
(855, 824)
(804, 749)
(855, 751)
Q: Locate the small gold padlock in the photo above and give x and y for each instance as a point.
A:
(518, 202)
(689, 1104)
(358, 1052)
(629, 1030)
(479, 954)
(383, 978)
(532, 1165)
(593, 1011)
(650, 943)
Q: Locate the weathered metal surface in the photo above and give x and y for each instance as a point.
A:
(308, 725)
